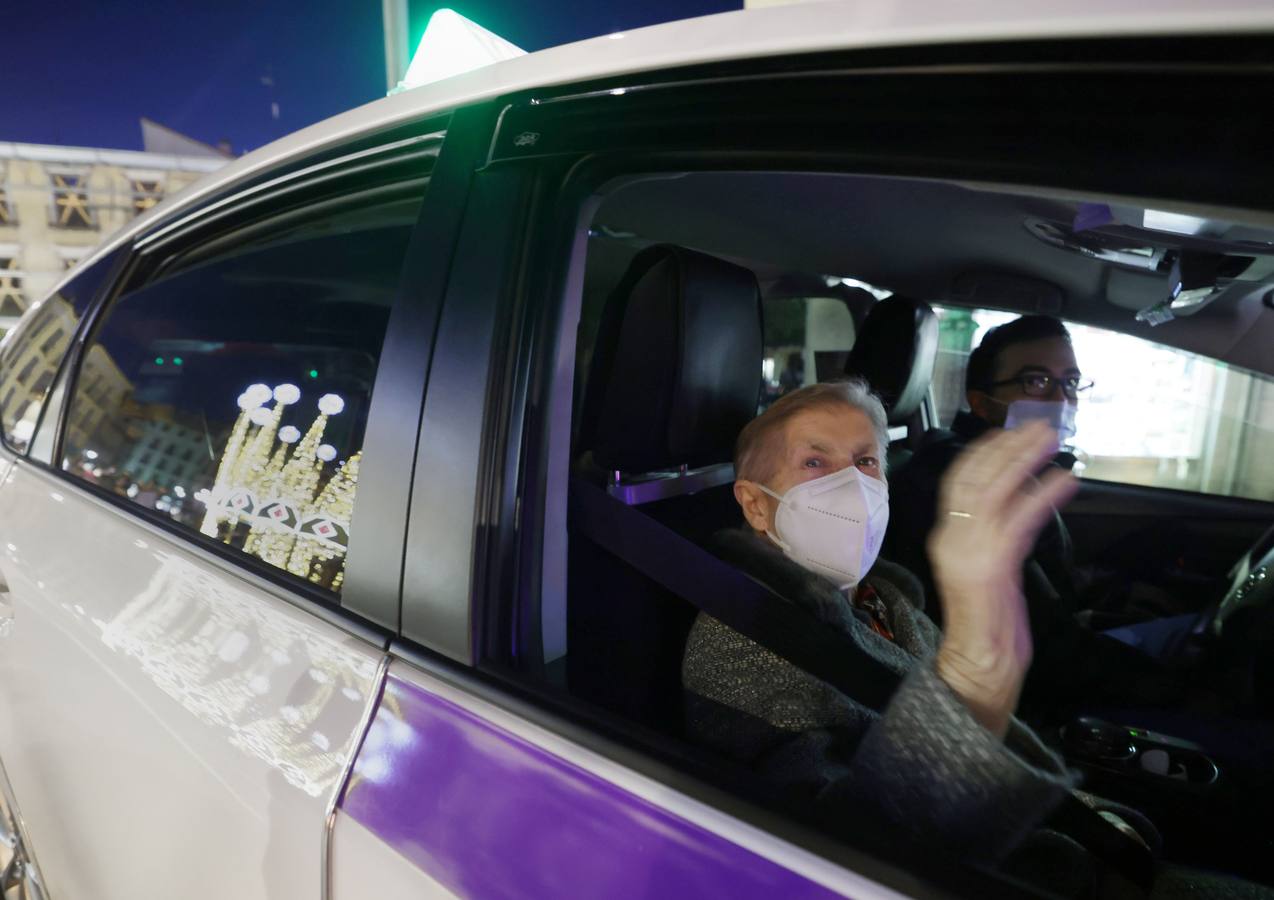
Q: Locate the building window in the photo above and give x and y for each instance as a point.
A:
(24, 377)
(146, 193)
(53, 343)
(71, 256)
(7, 214)
(12, 301)
(70, 201)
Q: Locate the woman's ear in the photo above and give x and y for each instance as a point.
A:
(755, 504)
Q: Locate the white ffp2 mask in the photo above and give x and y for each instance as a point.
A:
(833, 525)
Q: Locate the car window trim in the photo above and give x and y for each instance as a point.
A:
(302, 177)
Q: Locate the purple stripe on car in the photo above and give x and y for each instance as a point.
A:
(487, 814)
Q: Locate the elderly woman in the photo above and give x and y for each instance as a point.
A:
(946, 760)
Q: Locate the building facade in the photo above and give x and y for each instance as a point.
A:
(58, 203)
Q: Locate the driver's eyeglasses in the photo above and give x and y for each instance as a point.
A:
(1038, 384)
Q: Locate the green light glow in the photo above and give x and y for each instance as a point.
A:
(177, 360)
(159, 360)
(314, 373)
(453, 45)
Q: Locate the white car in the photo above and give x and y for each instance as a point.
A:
(322, 576)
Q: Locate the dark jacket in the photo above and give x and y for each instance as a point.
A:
(1072, 664)
(925, 766)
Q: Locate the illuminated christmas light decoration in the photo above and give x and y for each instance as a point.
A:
(281, 484)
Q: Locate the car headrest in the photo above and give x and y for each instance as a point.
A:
(894, 352)
(676, 370)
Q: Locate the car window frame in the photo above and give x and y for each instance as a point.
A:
(579, 150)
(371, 590)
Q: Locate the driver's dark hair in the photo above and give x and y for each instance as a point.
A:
(981, 371)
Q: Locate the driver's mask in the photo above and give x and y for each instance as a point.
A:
(833, 525)
(1059, 414)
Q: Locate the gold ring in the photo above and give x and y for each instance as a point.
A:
(959, 514)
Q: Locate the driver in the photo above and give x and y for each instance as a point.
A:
(1028, 368)
(947, 760)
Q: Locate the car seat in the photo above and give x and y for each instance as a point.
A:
(676, 375)
(895, 352)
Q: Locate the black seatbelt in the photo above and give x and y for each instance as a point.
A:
(728, 595)
(758, 613)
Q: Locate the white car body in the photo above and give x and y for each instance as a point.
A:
(174, 727)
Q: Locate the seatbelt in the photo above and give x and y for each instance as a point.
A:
(729, 595)
(758, 613)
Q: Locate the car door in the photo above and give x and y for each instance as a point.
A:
(191, 650)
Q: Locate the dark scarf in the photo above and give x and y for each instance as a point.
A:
(897, 588)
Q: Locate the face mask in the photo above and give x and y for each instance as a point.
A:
(833, 525)
(1060, 416)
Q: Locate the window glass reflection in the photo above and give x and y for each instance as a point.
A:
(232, 397)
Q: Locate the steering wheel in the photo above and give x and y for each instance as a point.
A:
(1251, 587)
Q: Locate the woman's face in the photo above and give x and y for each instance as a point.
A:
(815, 442)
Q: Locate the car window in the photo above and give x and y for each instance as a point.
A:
(1155, 416)
(807, 339)
(31, 354)
(231, 398)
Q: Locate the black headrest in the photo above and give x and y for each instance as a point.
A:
(676, 370)
(894, 351)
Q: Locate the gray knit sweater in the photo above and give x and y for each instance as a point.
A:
(925, 765)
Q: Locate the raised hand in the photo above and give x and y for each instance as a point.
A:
(990, 509)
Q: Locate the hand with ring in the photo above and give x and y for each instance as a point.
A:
(991, 508)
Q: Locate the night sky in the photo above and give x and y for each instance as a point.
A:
(83, 74)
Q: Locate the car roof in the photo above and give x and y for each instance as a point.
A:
(745, 34)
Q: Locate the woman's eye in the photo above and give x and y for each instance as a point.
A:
(868, 462)
(813, 463)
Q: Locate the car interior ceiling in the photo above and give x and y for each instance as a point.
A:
(962, 245)
(660, 394)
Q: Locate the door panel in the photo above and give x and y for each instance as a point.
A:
(171, 729)
(1180, 542)
(482, 803)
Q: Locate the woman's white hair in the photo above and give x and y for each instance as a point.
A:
(753, 463)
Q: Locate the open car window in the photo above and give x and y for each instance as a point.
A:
(654, 419)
